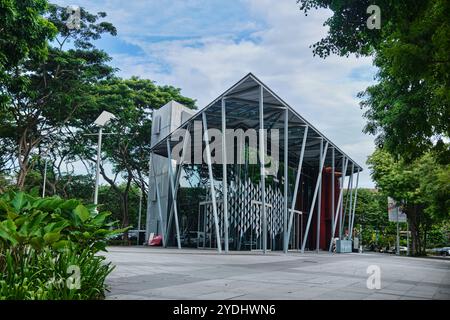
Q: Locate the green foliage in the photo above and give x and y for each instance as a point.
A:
(45, 95)
(408, 109)
(40, 238)
(23, 32)
(131, 101)
(40, 222)
(371, 213)
(421, 187)
(28, 274)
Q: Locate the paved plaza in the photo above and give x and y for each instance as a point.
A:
(156, 273)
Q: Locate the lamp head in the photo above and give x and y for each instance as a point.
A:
(104, 118)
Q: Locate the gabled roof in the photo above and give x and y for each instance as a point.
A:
(242, 111)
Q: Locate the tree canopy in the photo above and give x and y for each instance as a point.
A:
(421, 187)
(409, 108)
(54, 83)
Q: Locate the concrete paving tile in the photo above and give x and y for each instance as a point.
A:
(382, 296)
(148, 273)
(221, 295)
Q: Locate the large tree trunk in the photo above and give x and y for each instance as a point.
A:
(415, 225)
(125, 212)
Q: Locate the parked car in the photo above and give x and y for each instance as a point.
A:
(445, 251)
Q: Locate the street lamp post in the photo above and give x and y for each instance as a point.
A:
(45, 177)
(97, 168)
(101, 121)
(139, 215)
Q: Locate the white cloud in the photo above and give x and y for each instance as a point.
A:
(211, 56)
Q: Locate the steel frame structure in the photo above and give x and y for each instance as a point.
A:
(247, 100)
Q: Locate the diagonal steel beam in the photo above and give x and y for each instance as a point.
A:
(351, 202)
(211, 182)
(345, 207)
(178, 175)
(319, 205)
(341, 193)
(354, 203)
(172, 190)
(286, 179)
(297, 180)
(313, 204)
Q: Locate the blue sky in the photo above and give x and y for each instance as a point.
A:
(205, 46)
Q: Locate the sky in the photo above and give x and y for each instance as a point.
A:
(205, 46)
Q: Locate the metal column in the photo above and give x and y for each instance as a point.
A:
(319, 205)
(172, 190)
(297, 181)
(351, 202)
(354, 202)
(286, 179)
(350, 181)
(341, 213)
(340, 202)
(97, 165)
(224, 174)
(211, 182)
(332, 189)
(262, 166)
(313, 204)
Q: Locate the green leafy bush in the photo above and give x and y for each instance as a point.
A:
(45, 243)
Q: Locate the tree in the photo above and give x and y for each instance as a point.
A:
(421, 187)
(47, 95)
(23, 33)
(371, 214)
(408, 109)
(128, 146)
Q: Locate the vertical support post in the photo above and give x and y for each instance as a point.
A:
(139, 214)
(341, 213)
(354, 202)
(286, 179)
(297, 181)
(313, 203)
(351, 204)
(332, 190)
(340, 202)
(211, 182)
(407, 238)
(172, 191)
(224, 174)
(319, 205)
(262, 160)
(397, 249)
(97, 170)
(158, 201)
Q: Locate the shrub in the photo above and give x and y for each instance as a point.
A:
(46, 243)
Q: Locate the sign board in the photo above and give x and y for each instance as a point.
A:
(395, 212)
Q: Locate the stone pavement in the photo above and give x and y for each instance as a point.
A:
(156, 273)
